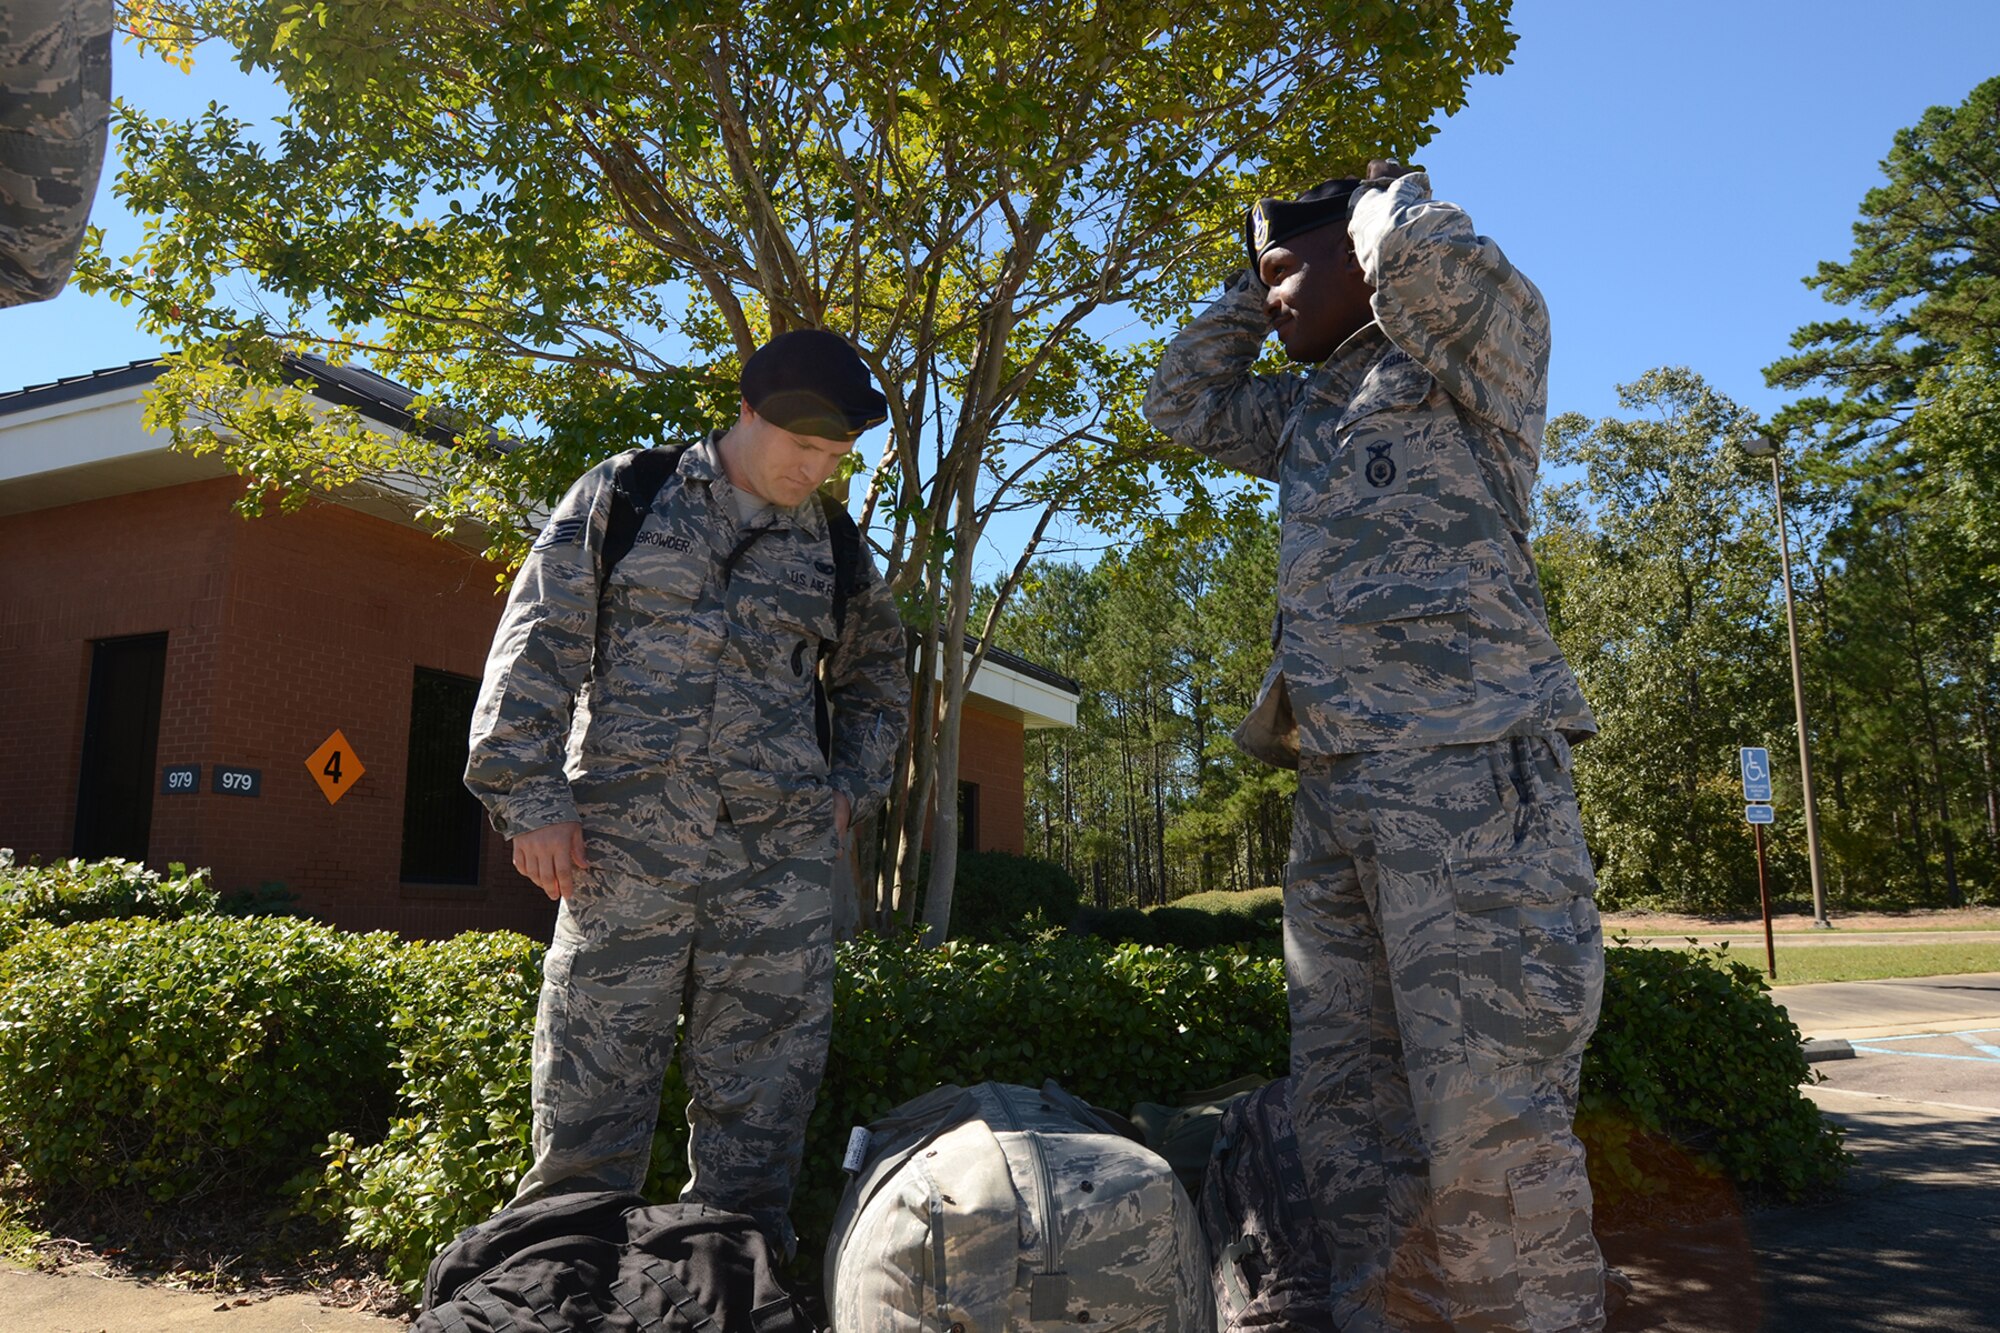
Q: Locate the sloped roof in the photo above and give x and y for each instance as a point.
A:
(374, 396)
(384, 400)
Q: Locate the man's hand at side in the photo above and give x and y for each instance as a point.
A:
(551, 856)
(843, 810)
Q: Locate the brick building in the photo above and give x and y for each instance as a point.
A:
(167, 669)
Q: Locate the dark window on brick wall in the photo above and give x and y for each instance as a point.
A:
(968, 816)
(442, 821)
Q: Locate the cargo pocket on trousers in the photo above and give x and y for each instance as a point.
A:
(1530, 961)
(1556, 1260)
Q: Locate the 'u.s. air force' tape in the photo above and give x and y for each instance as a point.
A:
(560, 532)
(857, 1149)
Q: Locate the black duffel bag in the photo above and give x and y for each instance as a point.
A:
(608, 1263)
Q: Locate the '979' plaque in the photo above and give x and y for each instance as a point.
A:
(239, 781)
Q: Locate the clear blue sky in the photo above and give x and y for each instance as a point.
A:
(1666, 172)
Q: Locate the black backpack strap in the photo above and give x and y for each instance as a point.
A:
(449, 1319)
(502, 1317)
(636, 479)
(683, 1301)
(843, 534)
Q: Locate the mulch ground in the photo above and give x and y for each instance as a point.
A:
(236, 1248)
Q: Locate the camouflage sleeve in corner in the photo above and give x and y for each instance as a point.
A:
(539, 662)
(55, 102)
(1449, 298)
(868, 686)
(1204, 395)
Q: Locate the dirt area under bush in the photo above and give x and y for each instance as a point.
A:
(238, 1250)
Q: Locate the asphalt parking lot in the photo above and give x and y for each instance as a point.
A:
(1913, 1240)
(1943, 1069)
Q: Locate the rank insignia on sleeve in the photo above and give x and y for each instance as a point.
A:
(560, 532)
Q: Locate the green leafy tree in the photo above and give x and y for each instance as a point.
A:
(1901, 442)
(1924, 276)
(566, 223)
(1147, 798)
(1662, 570)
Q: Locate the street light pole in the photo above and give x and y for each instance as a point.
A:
(1758, 446)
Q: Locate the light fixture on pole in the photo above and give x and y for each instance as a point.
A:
(1762, 446)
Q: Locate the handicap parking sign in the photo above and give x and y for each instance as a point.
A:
(1756, 762)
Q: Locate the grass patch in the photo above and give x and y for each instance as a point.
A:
(18, 1235)
(1792, 928)
(1800, 964)
(1239, 902)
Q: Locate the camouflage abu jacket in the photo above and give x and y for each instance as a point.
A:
(687, 688)
(55, 104)
(1409, 612)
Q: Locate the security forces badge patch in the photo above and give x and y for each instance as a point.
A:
(1380, 470)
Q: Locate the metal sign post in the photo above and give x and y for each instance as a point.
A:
(1764, 896)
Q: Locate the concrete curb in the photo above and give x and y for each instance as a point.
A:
(1828, 1048)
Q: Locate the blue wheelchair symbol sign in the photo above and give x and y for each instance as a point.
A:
(1759, 814)
(1756, 763)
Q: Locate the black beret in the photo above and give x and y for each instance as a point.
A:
(1274, 220)
(813, 382)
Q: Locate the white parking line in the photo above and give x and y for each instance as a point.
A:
(1988, 1052)
(1819, 1091)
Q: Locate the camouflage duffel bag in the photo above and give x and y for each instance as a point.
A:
(1004, 1209)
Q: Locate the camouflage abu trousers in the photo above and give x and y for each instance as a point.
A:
(733, 935)
(1444, 964)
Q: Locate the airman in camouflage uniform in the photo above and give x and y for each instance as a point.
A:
(1442, 945)
(651, 752)
(55, 102)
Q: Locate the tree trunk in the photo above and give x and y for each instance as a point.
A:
(921, 780)
(1953, 895)
(944, 821)
(1983, 712)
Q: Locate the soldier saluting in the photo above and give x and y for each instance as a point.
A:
(1442, 947)
(645, 736)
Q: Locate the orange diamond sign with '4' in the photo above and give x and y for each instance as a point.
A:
(334, 767)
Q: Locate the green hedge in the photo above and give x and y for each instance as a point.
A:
(192, 1056)
(459, 1136)
(1000, 896)
(206, 1053)
(1114, 1025)
(1250, 918)
(63, 893)
(1691, 1059)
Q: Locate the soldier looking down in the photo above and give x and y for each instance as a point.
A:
(1443, 954)
(645, 737)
